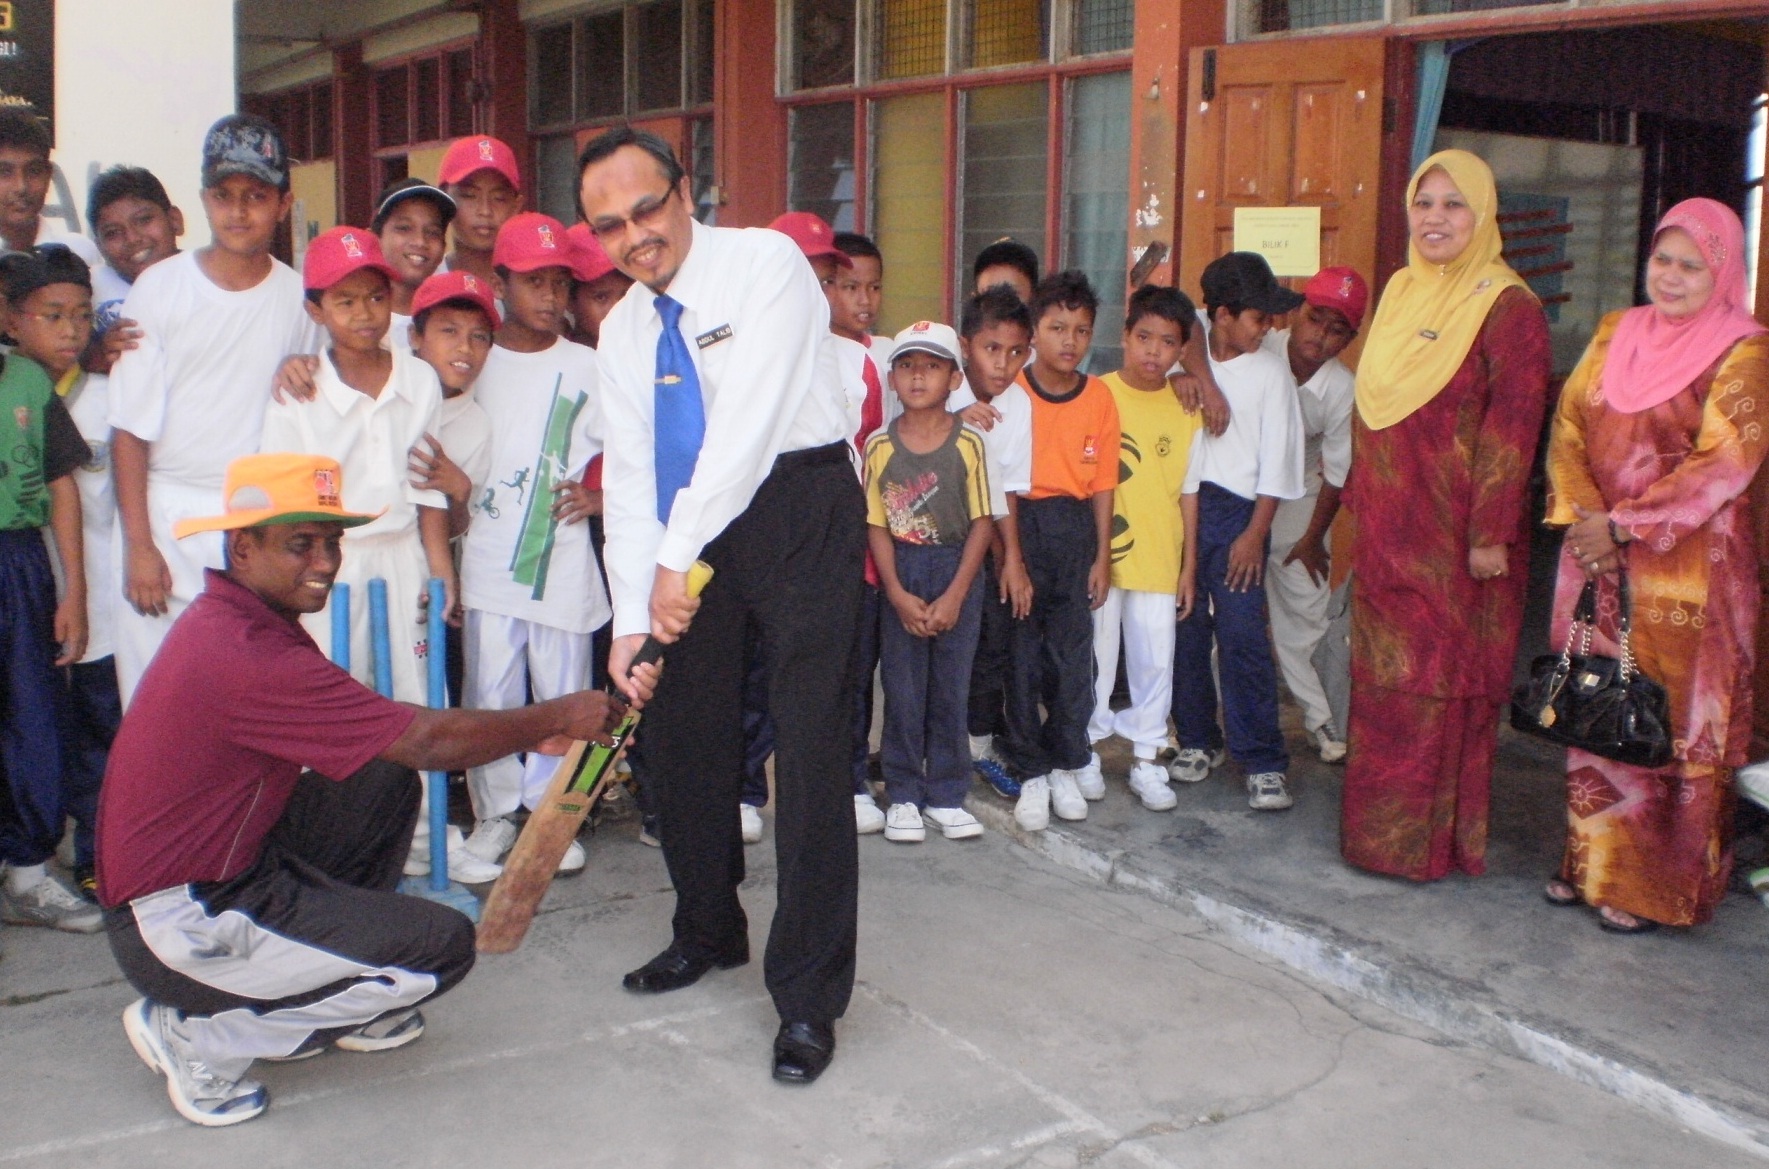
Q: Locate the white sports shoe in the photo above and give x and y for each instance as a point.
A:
(752, 822)
(1089, 780)
(953, 823)
(1148, 780)
(1066, 799)
(51, 903)
(1193, 765)
(1266, 792)
(463, 866)
(903, 824)
(572, 863)
(1329, 744)
(867, 817)
(492, 838)
(1032, 812)
(199, 1095)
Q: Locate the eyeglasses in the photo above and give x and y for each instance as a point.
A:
(83, 318)
(647, 213)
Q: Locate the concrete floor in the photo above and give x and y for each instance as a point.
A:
(1009, 1013)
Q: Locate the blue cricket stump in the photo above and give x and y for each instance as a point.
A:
(437, 887)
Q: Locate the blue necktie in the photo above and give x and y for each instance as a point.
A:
(679, 423)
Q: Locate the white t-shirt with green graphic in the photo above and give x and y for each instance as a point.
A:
(546, 426)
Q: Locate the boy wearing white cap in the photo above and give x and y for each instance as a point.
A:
(930, 511)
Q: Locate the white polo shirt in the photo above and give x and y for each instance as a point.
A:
(1325, 402)
(755, 320)
(371, 438)
(1260, 453)
(1009, 442)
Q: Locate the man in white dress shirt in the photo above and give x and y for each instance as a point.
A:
(728, 441)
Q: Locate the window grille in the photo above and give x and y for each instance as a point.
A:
(911, 38)
(1104, 26)
(1286, 15)
(1005, 32)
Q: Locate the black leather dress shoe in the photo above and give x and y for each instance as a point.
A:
(802, 1051)
(675, 968)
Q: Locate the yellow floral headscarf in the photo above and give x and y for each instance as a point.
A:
(1430, 314)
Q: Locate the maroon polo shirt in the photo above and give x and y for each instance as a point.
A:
(235, 704)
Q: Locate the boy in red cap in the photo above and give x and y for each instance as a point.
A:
(532, 591)
(596, 285)
(191, 396)
(454, 318)
(481, 176)
(1297, 571)
(373, 405)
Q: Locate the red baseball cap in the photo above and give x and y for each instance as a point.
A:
(446, 286)
(335, 254)
(588, 259)
(530, 241)
(468, 156)
(814, 237)
(1339, 288)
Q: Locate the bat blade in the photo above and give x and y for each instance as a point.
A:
(576, 785)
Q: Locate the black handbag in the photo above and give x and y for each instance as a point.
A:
(1598, 704)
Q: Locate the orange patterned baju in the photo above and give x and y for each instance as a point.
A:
(1656, 842)
(1432, 647)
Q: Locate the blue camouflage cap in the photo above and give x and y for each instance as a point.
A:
(243, 144)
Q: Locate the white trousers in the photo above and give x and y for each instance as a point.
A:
(506, 659)
(1143, 623)
(139, 637)
(398, 559)
(1298, 609)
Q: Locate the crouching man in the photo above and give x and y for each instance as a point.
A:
(247, 896)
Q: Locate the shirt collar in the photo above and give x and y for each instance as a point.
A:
(227, 591)
(343, 398)
(689, 279)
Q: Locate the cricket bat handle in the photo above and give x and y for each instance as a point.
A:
(651, 652)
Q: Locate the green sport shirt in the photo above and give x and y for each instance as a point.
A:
(39, 443)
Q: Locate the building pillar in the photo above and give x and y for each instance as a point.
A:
(503, 78)
(1166, 33)
(749, 125)
(352, 134)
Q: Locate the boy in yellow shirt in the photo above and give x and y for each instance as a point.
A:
(1149, 541)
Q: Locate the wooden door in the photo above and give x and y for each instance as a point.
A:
(1284, 124)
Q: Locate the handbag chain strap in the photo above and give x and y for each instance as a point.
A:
(1584, 625)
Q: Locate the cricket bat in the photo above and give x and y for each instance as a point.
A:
(578, 782)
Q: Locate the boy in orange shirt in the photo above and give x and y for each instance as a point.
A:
(1065, 527)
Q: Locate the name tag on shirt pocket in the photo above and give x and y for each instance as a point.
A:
(713, 336)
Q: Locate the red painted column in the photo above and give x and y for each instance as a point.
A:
(749, 125)
(1166, 33)
(352, 142)
(503, 78)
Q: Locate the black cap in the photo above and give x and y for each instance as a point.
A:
(1244, 278)
(24, 272)
(242, 144)
(412, 188)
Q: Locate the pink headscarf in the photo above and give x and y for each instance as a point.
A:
(1652, 358)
